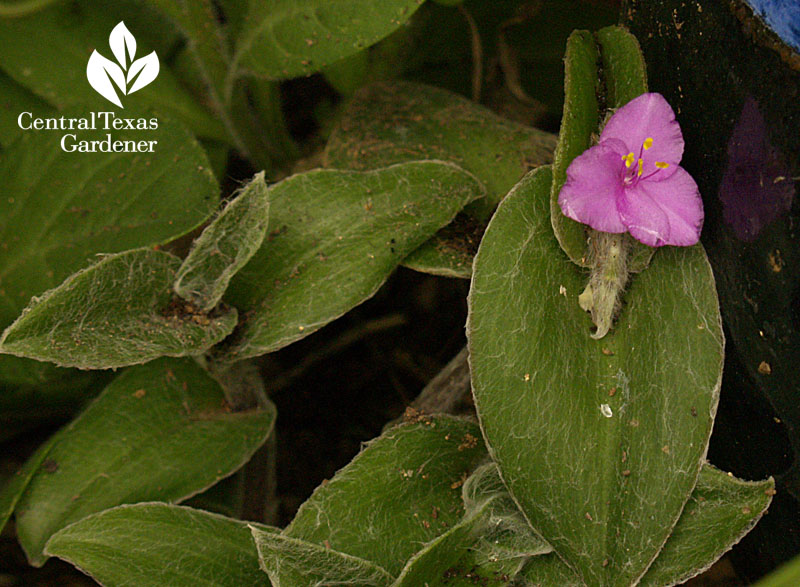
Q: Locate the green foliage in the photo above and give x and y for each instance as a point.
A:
(580, 120)
(16, 8)
(28, 406)
(224, 247)
(283, 39)
(381, 62)
(401, 491)
(493, 534)
(507, 534)
(587, 463)
(62, 209)
(334, 238)
(624, 421)
(250, 113)
(155, 544)
(624, 70)
(388, 123)
(194, 19)
(440, 554)
(720, 511)
(161, 431)
(289, 561)
(118, 312)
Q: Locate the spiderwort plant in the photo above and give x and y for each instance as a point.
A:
(602, 444)
(631, 182)
(588, 464)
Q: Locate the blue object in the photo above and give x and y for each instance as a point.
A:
(782, 16)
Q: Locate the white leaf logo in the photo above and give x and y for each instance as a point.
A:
(127, 74)
(121, 39)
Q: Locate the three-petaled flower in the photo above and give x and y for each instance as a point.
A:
(631, 181)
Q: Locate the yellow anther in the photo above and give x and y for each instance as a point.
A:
(648, 142)
(628, 159)
(641, 163)
(662, 164)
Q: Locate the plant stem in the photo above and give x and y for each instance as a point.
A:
(607, 280)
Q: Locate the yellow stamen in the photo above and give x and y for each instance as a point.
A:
(628, 159)
(641, 163)
(648, 142)
(662, 164)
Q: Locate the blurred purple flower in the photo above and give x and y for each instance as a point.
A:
(757, 187)
(631, 181)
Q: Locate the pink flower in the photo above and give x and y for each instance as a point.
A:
(631, 181)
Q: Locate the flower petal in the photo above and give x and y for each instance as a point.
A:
(594, 182)
(668, 212)
(648, 117)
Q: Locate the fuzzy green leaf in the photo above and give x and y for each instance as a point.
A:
(250, 112)
(580, 119)
(161, 431)
(492, 537)
(27, 407)
(449, 253)
(61, 209)
(64, 208)
(473, 569)
(290, 562)
(442, 553)
(334, 238)
(624, 69)
(623, 422)
(224, 247)
(401, 491)
(508, 534)
(156, 544)
(549, 569)
(393, 122)
(721, 510)
(117, 312)
(284, 38)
